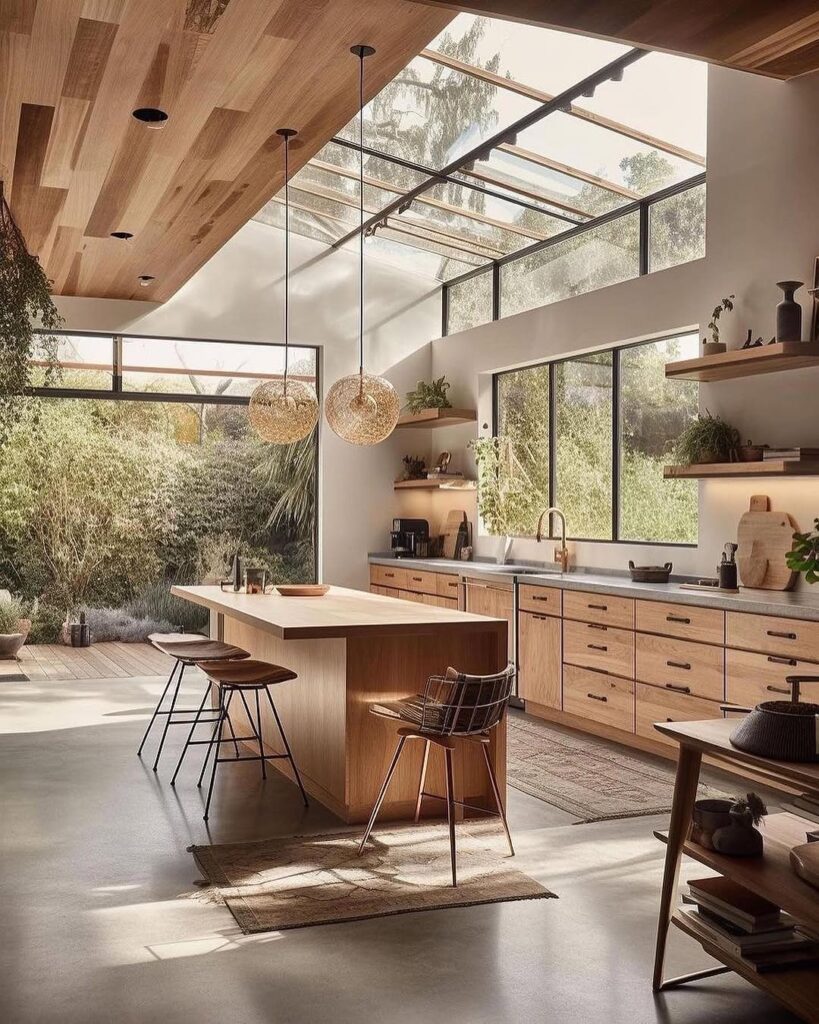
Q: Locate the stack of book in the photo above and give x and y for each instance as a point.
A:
(748, 927)
(790, 454)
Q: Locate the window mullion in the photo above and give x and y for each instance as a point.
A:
(615, 444)
(552, 438)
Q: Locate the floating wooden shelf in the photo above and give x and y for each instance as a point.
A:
(456, 484)
(437, 418)
(773, 467)
(747, 362)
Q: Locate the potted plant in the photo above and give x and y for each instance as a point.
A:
(707, 439)
(14, 628)
(429, 396)
(804, 556)
(715, 346)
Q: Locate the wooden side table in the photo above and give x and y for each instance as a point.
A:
(769, 875)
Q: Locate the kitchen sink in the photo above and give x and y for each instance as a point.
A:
(515, 570)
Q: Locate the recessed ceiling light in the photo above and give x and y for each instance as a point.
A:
(122, 234)
(145, 280)
(153, 117)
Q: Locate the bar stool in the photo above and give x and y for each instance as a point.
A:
(454, 708)
(186, 652)
(240, 677)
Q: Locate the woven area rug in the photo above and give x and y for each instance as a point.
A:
(307, 880)
(584, 777)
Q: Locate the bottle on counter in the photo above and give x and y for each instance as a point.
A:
(236, 573)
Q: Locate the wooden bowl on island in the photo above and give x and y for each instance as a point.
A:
(303, 590)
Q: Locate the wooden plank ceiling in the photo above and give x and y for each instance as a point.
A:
(772, 37)
(77, 166)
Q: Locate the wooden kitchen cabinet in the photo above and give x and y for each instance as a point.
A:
(495, 600)
(600, 608)
(591, 645)
(681, 666)
(539, 646)
(790, 638)
(687, 621)
(543, 600)
(652, 705)
(602, 698)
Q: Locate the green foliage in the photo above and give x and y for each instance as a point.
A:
(727, 305)
(155, 601)
(707, 439)
(804, 557)
(429, 396)
(290, 470)
(11, 612)
(46, 625)
(25, 297)
(506, 500)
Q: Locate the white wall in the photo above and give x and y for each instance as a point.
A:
(237, 296)
(763, 227)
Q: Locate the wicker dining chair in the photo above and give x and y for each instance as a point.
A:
(453, 708)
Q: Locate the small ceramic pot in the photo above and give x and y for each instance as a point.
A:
(740, 838)
(713, 348)
(10, 644)
(708, 816)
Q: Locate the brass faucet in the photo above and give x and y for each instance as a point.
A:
(561, 553)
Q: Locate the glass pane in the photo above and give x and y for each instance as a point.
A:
(676, 229)
(653, 413)
(545, 59)
(207, 368)
(523, 420)
(593, 259)
(421, 255)
(583, 448)
(469, 303)
(309, 225)
(85, 361)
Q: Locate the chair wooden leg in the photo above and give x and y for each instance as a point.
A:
(450, 809)
(382, 793)
(259, 734)
(422, 781)
(498, 800)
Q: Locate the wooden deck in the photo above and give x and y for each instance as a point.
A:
(99, 661)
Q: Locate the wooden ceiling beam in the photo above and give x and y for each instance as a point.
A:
(571, 172)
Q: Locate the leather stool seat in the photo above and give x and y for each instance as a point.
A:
(194, 651)
(249, 674)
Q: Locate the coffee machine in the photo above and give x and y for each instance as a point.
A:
(409, 538)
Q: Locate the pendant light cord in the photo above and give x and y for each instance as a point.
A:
(361, 213)
(286, 258)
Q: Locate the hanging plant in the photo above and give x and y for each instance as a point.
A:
(25, 300)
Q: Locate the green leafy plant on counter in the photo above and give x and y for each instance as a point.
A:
(429, 396)
(507, 498)
(804, 557)
(707, 439)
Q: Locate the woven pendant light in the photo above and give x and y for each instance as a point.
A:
(286, 410)
(361, 408)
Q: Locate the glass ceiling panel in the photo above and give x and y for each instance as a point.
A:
(400, 178)
(420, 256)
(432, 115)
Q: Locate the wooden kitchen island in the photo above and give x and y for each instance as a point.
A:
(351, 649)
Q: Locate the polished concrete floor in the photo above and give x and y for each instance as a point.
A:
(101, 921)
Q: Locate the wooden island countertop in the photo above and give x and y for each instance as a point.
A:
(351, 649)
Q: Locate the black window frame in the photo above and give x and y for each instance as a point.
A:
(616, 459)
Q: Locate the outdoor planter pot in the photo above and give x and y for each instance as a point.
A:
(10, 643)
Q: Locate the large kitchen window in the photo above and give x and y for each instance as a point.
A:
(592, 434)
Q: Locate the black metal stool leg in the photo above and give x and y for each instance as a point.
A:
(253, 728)
(170, 714)
(382, 793)
(216, 730)
(287, 747)
(450, 809)
(259, 734)
(224, 715)
(496, 791)
(194, 724)
(158, 706)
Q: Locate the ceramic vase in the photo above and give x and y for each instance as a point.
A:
(788, 313)
(740, 838)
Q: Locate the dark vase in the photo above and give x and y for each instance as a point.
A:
(789, 313)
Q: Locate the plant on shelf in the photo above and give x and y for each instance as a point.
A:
(429, 396)
(804, 556)
(707, 439)
(26, 300)
(715, 346)
(508, 502)
(414, 468)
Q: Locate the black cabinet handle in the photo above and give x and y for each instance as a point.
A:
(679, 664)
(677, 618)
(781, 636)
(778, 689)
(595, 696)
(417, 579)
(599, 607)
(679, 689)
(539, 597)
(597, 625)
(597, 647)
(782, 661)
(390, 575)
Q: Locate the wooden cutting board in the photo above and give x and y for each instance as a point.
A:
(764, 538)
(450, 530)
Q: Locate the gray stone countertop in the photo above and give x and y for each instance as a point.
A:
(787, 604)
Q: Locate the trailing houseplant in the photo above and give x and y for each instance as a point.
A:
(429, 396)
(804, 556)
(715, 346)
(707, 439)
(25, 300)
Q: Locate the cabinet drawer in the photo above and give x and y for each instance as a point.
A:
(540, 659)
(680, 666)
(389, 576)
(793, 638)
(602, 608)
(420, 581)
(543, 600)
(410, 595)
(751, 677)
(707, 625)
(447, 602)
(652, 705)
(602, 698)
(375, 589)
(446, 586)
(390, 591)
(591, 645)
